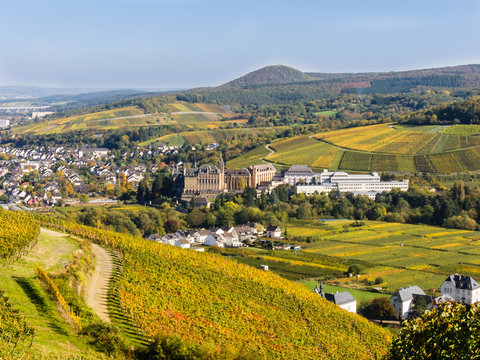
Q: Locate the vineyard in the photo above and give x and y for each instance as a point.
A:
(383, 147)
(17, 233)
(400, 254)
(13, 326)
(207, 299)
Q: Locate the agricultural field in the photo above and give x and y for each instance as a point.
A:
(385, 147)
(303, 150)
(252, 157)
(400, 254)
(188, 107)
(199, 296)
(109, 119)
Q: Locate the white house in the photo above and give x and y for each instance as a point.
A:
(274, 232)
(214, 240)
(184, 244)
(402, 300)
(464, 289)
(345, 300)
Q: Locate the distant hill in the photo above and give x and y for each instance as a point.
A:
(270, 75)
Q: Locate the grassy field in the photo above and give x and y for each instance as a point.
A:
(384, 147)
(54, 333)
(360, 295)
(401, 254)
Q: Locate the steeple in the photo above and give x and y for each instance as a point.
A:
(221, 164)
(322, 294)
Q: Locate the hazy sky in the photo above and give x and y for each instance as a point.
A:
(187, 43)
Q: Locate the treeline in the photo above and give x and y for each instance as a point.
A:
(137, 222)
(465, 112)
(455, 208)
(407, 84)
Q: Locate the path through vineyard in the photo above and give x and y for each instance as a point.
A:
(97, 290)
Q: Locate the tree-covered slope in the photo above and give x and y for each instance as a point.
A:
(463, 112)
(270, 75)
(213, 301)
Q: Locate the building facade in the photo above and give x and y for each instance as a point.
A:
(463, 289)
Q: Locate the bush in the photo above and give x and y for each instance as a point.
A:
(449, 332)
(105, 337)
(378, 280)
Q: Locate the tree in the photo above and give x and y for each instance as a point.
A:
(379, 308)
(354, 269)
(84, 198)
(419, 307)
(449, 332)
(142, 191)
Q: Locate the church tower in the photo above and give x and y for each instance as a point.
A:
(221, 173)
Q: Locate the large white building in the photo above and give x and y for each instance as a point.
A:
(464, 289)
(359, 184)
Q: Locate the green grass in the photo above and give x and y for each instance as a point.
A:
(54, 333)
(360, 295)
(325, 113)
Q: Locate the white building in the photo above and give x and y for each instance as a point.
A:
(345, 300)
(402, 300)
(4, 123)
(464, 289)
(358, 184)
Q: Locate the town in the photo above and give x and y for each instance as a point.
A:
(46, 177)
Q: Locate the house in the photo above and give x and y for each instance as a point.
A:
(344, 299)
(274, 232)
(214, 240)
(202, 235)
(154, 237)
(169, 239)
(183, 243)
(464, 289)
(264, 267)
(403, 299)
(232, 239)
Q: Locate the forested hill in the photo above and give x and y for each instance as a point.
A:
(464, 112)
(271, 75)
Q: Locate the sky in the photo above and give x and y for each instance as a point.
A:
(174, 44)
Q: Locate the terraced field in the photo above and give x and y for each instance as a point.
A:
(109, 119)
(400, 254)
(385, 147)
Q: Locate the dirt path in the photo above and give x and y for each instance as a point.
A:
(97, 289)
(269, 149)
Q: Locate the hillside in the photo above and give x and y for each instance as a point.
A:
(213, 301)
(383, 147)
(269, 75)
(464, 112)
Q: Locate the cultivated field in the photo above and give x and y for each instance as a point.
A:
(400, 254)
(383, 147)
(104, 120)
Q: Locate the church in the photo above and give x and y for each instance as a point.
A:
(209, 181)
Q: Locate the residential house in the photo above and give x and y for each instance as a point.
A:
(464, 289)
(274, 232)
(183, 243)
(403, 300)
